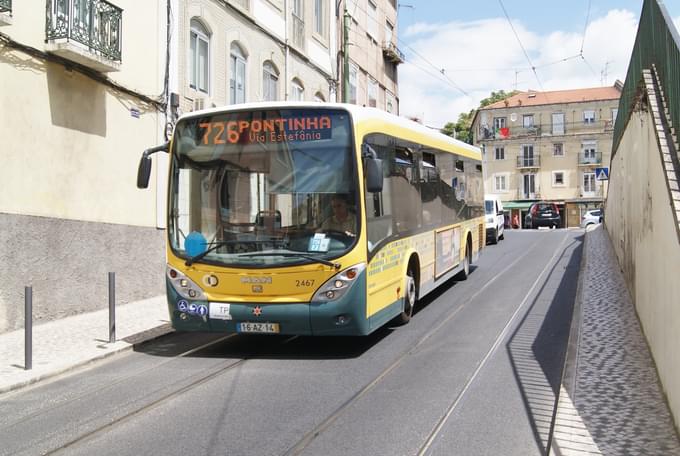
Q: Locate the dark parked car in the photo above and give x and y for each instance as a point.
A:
(544, 214)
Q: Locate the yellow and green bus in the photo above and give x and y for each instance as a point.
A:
(254, 241)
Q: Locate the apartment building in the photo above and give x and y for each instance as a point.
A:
(371, 48)
(238, 51)
(82, 97)
(549, 146)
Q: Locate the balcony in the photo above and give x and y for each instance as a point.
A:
(85, 31)
(5, 12)
(392, 53)
(514, 131)
(528, 162)
(590, 159)
(298, 32)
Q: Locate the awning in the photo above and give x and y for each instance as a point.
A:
(517, 204)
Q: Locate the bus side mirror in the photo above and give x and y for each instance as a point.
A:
(144, 169)
(373, 167)
(374, 175)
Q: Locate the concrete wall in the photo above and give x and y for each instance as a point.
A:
(640, 223)
(69, 207)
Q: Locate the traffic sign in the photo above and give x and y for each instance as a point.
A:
(602, 174)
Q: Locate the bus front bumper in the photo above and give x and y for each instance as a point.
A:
(344, 316)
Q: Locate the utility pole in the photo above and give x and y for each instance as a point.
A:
(345, 54)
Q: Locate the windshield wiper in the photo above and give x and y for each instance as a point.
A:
(293, 254)
(200, 256)
(217, 245)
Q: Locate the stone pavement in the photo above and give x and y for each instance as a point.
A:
(62, 345)
(611, 401)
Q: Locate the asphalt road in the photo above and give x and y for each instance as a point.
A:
(475, 372)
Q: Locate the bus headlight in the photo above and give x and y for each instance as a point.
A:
(184, 286)
(335, 287)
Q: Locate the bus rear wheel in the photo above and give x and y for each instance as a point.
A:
(409, 297)
(463, 275)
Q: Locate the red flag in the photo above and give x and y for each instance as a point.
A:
(505, 132)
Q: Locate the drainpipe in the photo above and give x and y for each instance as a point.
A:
(345, 55)
(287, 54)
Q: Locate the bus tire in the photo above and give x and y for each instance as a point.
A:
(463, 275)
(410, 293)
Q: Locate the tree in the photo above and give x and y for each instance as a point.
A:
(462, 128)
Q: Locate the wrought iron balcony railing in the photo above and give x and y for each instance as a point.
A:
(590, 158)
(5, 6)
(529, 162)
(392, 52)
(95, 24)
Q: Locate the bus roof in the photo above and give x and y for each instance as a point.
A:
(359, 113)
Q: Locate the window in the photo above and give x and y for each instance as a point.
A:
(498, 122)
(372, 93)
(529, 186)
(353, 70)
(589, 116)
(372, 20)
(390, 102)
(499, 153)
(270, 82)
(558, 123)
(558, 150)
(527, 156)
(237, 80)
(589, 151)
(528, 121)
(500, 182)
(558, 179)
(297, 91)
(319, 12)
(298, 8)
(588, 183)
(318, 97)
(199, 58)
(389, 32)
(615, 112)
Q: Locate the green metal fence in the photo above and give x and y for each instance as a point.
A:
(657, 43)
(5, 6)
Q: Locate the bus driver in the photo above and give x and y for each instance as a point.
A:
(342, 219)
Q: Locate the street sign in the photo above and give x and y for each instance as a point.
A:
(602, 174)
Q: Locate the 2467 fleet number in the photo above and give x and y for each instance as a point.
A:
(304, 283)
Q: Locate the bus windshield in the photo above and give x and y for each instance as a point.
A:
(263, 188)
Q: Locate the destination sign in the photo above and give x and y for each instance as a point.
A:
(291, 129)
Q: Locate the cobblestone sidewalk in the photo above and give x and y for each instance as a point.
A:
(614, 405)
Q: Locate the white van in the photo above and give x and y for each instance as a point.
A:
(495, 220)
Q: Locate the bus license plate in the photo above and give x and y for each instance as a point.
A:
(256, 327)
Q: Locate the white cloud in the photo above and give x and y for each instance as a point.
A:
(484, 56)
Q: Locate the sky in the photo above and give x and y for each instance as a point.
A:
(458, 52)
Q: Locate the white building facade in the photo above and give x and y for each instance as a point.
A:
(82, 96)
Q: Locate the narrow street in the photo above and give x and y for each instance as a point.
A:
(476, 371)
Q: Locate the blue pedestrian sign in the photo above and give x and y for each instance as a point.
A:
(602, 174)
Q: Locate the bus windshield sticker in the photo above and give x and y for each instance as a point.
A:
(319, 243)
(291, 129)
